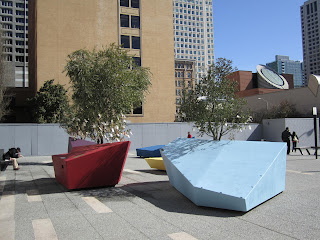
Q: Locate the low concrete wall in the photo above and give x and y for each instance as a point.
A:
(50, 139)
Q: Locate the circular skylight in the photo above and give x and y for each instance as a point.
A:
(267, 78)
(272, 76)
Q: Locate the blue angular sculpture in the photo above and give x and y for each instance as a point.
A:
(235, 175)
(152, 151)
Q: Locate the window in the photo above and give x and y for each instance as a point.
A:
(19, 35)
(137, 109)
(135, 22)
(135, 42)
(124, 20)
(21, 13)
(19, 59)
(19, 28)
(125, 41)
(19, 50)
(19, 5)
(124, 3)
(20, 20)
(6, 3)
(137, 61)
(135, 3)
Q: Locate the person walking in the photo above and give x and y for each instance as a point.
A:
(295, 140)
(12, 155)
(285, 136)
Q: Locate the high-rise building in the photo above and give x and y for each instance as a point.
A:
(283, 64)
(193, 33)
(143, 27)
(310, 26)
(14, 30)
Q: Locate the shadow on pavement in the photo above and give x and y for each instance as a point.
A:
(164, 196)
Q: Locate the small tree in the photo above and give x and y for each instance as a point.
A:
(285, 109)
(106, 84)
(212, 105)
(50, 104)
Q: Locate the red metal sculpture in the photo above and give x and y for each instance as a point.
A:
(91, 166)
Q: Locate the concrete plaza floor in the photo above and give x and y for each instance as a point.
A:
(145, 206)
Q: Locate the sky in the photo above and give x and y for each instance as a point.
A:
(252, 32)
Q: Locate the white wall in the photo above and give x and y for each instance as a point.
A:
(50, 139)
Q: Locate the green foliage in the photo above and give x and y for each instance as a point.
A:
(106, 84)
(50, 104)
(212, 105)
(284, 110)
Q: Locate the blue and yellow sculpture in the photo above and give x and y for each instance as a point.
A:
(235, 175)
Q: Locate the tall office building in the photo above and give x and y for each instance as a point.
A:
(193, 33)
(14, 28)
(283, 64)
(310, 26)
(143, 27)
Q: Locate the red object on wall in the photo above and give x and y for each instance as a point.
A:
(91, 166)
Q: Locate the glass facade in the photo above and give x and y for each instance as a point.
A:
(283, 64)
(193, 33)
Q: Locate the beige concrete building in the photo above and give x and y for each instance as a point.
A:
(57, 28)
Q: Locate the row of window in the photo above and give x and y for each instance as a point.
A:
(18, 50)
(18, 42)
(182, 28)
(9, 11)
(9, 34)
(130, 3)
(192, 12)
(191, 18)
(192, 6)
(18, 27)
(191, 52)
(126, 22)
(10, 4)
(130, 42)
(8, 58)
(9, 19)
(181, 74)
(181, 65)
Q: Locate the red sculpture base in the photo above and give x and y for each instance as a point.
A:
(91, 166)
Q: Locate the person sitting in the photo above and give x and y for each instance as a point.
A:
(189, 135)
(12, 155)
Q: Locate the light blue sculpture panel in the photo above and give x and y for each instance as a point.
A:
(236, 175)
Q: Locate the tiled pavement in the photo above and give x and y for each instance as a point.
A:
(145, 206)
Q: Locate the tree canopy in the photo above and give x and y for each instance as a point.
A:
(213, 105)
(106, 84)
(50, 104)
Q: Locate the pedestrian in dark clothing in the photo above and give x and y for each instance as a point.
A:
(286, 138)
(12, 155)
(295, 140)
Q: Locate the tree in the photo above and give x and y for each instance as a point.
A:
(4, 97)
(212, 105)
(285, 109)
(50, 104)
(106, 84)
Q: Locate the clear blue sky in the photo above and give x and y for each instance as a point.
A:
(252, 32)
